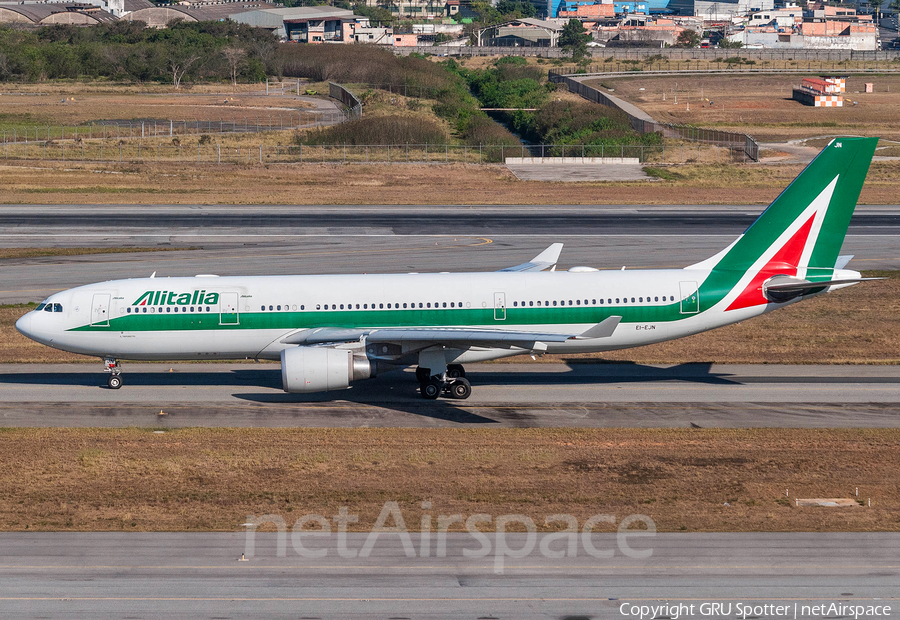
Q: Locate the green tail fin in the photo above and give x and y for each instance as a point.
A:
(827, 189)
(800, 232)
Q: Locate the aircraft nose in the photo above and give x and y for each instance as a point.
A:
(24, 325)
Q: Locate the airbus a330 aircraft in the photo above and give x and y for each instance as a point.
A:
(329, 331)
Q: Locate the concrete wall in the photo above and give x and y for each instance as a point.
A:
(777, 41)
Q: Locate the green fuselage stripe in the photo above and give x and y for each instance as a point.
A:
(389, 318)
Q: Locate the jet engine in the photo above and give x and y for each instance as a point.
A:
(320, 369)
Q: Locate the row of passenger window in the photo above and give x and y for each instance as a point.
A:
(169, 309)
(453, 304)
(578, 302)
(382, 306)
(395, 306)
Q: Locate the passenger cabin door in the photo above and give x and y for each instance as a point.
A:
(100, 311)
(690, 298)
(499, 306)
(228, 309)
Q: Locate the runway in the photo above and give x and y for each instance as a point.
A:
(504, 395)
(257, 240)
(181, 575)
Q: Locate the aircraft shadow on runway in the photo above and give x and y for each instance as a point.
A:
(269, 376)
(399, 393)
(395, 391)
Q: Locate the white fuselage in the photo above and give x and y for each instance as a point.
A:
(208, 317)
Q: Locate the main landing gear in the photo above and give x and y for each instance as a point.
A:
(111, 365)
(453, 383)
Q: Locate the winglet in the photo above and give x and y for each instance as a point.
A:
(546, 259)
(603, 329)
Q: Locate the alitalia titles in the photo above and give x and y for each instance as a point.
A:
(174, 298)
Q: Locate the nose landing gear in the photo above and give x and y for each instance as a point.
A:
(111, 365)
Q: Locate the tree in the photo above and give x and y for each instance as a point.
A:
(729, 44)
(575, 39)
(234, 56)
(376, 14)
(516, 8)
(179, 63)
(687, 38)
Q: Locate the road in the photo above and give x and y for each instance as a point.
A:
(255, 240)
(504, 395)
(181, 575)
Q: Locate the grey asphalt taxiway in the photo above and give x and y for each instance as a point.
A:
(177, 575)
(258, 239)
(504, 395)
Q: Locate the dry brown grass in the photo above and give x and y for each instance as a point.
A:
(859, 325)
(33, 105)
(9, 253)
(196, 479)
(761, 105)
(174, 183)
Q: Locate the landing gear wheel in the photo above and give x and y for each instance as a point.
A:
(456, 371)
(431, 389)
(422, 374)
(460, 389)
(114, 382)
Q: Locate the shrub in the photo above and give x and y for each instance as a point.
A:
(378, 130)
(571, 122)
(482, 130)
(361, 64)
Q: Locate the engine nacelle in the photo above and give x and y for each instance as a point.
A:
(320, 369)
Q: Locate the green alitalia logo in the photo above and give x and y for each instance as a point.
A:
(175, 298)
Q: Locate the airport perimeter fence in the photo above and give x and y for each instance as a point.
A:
(112, 151)
(158, 128)
(727, 66)
(740, 145)
(672, 53)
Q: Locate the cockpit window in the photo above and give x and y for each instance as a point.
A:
(40, 307)
(48, 308)
(57, 307)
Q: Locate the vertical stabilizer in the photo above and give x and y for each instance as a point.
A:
(802, 230)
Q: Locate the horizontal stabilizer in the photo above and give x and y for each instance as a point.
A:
(805, 285)
(545, 260)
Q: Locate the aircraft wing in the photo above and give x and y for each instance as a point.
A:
(545, 260)
(448, 335)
